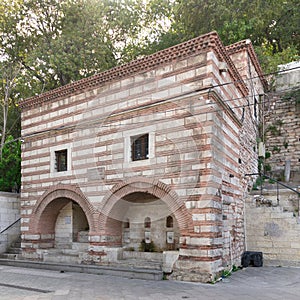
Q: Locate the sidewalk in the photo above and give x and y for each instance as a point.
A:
(251, 283)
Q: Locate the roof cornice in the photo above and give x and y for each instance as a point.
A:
(206, 42)
(247, 45)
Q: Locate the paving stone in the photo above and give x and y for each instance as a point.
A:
(250, 283)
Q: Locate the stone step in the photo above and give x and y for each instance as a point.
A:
(137, 263)
(14, 250)
(7, 255)
(55, 251)
(81, 247)
(60, 257)
(278, 210)
(132, 273)
(71, 256)
(12, 253)
(17, 244)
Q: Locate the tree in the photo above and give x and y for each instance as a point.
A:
(69, 42)
(272, 25)
(135, 24)
(8, 73)
(9, 69)
(72, 39)
(10, 165)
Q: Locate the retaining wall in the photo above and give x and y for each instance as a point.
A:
(274, 229)
(9, 213)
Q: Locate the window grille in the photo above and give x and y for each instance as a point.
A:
(61, 160)
(140, 147)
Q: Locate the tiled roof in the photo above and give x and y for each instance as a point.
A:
(241, 46)
(199, 44)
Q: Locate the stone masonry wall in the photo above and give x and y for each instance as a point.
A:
(9, 213)
(272, 229)
(282, 125)
(283, 136)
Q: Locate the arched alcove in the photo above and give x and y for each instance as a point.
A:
(61, 214)
(137, 201)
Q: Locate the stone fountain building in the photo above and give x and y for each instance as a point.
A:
(150, 155)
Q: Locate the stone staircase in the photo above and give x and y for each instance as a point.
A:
(133, 265)
(131, 260)
(61, 256)
(273, 227)
(140, 264)
(127, 272)
(71, 255)
(142, 260)
(14, 251)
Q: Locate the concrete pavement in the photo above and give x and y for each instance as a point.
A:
(251, 283)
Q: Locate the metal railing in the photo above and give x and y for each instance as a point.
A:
(278, 183)
(9, 226)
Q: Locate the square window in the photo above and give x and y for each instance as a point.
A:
(61, 160)
(140, 147)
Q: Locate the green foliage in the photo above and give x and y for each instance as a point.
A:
(275, 131)
(267, 155)
(13, 120)
(67, 44)
(226, 273)
(267, 168)
(276, 149)
(10, 165)
(272, 26)
(147, 247)
(235, 268)
(293, 95)
(259, 182)
(74, 39)
(260, 164)
(270, 60)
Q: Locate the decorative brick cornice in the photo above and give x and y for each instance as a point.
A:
(247, 45)
(223, 55)
(206, 42)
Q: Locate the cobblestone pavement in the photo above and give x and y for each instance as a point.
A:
(251, 283)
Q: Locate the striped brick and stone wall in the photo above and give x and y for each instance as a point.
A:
(197, 109)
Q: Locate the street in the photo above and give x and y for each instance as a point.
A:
(250, 283)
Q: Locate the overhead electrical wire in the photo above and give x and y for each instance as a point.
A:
(133, 123)
(176, 109)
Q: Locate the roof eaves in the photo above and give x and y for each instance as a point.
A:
(247, 45)
(198, 44)
(223, 54)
